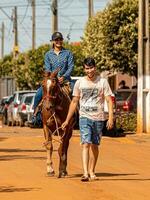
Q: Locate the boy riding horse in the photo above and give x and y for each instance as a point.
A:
(57, 57)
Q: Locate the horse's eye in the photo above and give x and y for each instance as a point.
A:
(54, 79)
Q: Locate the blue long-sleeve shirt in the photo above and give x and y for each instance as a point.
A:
(64, 60)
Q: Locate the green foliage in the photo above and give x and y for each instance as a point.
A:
(27, 69)
(128, 121)
(111, 37)
(6, 66)
(76, 49)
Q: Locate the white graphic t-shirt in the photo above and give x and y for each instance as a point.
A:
(92, 96)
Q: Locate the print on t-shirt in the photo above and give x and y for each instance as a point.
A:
(90, 99)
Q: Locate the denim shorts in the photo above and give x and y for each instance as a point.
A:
(90, 130)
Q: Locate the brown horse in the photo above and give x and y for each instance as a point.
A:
(55, 105)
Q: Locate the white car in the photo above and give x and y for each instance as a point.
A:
(12, 114)
(25, 107)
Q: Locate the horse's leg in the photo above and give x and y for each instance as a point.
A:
(63, 149)
(49, 149)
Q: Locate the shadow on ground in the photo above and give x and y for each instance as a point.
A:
(6, 189)
(16, 157)
(21, 150)
(3, 138)
(104, 177)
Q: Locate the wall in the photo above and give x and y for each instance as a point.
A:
(7, 86)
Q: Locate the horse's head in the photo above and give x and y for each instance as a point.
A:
(50, 85)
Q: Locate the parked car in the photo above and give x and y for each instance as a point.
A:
(2, 104)
(13, 118)
(7, 101)
(30, 111)
(24, 107)
(126, 100)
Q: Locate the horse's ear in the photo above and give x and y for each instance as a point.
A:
(54, 73)
(46, 74)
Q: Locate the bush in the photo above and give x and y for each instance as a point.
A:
(128, 121)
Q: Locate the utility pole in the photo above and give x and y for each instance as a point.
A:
(33, 25)
(91, 10)
(143, 100)
(2, 40)
(54, 8)
(15, 30)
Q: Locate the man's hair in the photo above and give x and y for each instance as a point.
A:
(90, 62)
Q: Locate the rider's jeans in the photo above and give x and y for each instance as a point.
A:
(38, 97)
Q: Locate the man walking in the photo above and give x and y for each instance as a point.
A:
(90, 91)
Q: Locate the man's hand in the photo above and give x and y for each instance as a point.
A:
(110, 124)
(61, 79)
(64, 125)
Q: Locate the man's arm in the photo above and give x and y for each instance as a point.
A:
(72, 109)
(110, 111)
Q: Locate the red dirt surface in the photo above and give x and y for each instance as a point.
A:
(123, 168)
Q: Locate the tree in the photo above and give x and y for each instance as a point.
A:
(27, 69)
(6, 66)
(111, 37)
(76, 49)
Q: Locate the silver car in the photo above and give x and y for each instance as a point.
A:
(24, 107)
(30, 112)
(12, 114)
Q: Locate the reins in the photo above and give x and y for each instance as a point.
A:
(56, 130)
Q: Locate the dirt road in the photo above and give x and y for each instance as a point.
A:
(123, 168)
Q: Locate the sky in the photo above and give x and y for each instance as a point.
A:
(72, 18)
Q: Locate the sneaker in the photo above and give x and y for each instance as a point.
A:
(85, 178)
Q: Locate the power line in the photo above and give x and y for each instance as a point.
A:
(25, 14)
(9, 29)
(72, 16)
(67, 5)
(26, 31)
(5, 13)
(22, 6)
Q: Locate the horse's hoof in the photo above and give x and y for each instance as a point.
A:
(59, 176)
(63, 174)
(50, 174)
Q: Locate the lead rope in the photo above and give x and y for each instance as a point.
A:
(56, 130)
